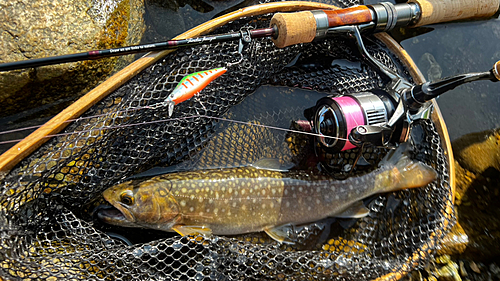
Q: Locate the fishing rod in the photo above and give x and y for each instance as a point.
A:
(171, 44)
(303, 27)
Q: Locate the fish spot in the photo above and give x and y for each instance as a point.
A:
(318, 201)
(318, 189)
(229, 213)
(208, 210)
(264, 206)
(351, 187)
(254, 200)
(263, 192)
(223, 210)
(337, 197)
(191, 196)
(216, 210)
(211, 201)
(273, 191)
(243, 191)
(183, 203)
(285, 192)
(197, 190)
(234, 204)
(287, 204)
(244, 207)
(309, 208)
(184, 190)
(200, 199)
(271, 205)
(191, 209)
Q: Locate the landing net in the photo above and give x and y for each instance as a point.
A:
(47, 229)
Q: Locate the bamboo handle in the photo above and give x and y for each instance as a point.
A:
(301, 27)
(436, 11)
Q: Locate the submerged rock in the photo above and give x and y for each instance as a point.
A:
(429, 65)
(35, 29)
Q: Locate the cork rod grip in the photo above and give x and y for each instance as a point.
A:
(436, 11)
(294, 28)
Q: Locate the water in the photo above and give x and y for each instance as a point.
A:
(461, 48)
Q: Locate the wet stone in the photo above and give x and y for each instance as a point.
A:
(429, 67)
(36, 29)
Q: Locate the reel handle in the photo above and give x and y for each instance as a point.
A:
(436, 11)
(496, 70)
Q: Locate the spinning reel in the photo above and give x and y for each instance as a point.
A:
(380, 117)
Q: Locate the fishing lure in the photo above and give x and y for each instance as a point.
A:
(190, 85)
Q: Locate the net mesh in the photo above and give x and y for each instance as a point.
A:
(48, 230)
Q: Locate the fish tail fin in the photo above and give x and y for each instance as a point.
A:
(404, 172)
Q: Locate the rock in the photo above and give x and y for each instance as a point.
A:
(477, 192)
(429, 65)
(35, 29)
(478, 151)
(455, 242)
(474, 267)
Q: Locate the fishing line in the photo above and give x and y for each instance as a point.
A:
(162, 121)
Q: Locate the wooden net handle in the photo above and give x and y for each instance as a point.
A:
(436, 11)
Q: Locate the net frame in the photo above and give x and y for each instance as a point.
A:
(24, 237)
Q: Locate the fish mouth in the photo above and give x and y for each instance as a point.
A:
(112, 215)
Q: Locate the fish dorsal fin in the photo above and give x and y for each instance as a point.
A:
(356, 210)
(271, 164)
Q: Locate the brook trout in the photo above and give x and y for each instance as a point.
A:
(241, 200)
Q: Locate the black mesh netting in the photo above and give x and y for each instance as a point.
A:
(46, 225)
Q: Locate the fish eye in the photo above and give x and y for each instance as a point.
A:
(127, 198)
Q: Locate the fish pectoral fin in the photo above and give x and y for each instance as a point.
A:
(356, 210)
(272, 164)
(280, 233)
(192, 230)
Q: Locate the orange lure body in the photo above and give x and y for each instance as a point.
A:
(192, 84)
